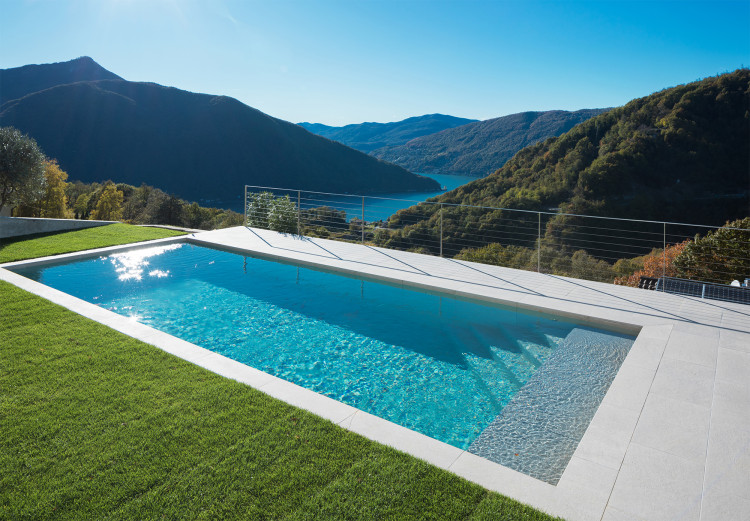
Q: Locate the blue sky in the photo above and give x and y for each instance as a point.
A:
(348, 61)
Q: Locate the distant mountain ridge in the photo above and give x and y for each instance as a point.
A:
(19, 81)
(201, 147)
(370, 136)
(481, 147)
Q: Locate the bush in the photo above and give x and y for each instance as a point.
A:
(657, 263)
(271, 213)
(721, 256)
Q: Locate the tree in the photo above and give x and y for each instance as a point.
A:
(54, 202)
(135, 205)
(162, 208)
(721, 256)
(271, 213)
(658, 263)
(81, 206)
(193, 215)
(109, 206)
(21, 168)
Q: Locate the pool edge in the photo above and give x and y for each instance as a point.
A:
(554, 499)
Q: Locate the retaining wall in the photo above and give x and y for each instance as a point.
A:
(18, 226)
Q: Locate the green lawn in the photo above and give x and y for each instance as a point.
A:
(66, 242)
(97, 425)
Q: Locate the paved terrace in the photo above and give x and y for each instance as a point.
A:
(671, 439)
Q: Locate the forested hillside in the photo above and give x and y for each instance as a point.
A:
(370, 136)
(481, 147)
(199, 146)
(679, 154)
(682, 154)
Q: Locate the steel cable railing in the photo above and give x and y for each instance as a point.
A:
(589, 247)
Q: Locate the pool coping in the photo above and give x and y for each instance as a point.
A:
(586, 487)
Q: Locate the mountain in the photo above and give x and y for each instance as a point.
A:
(18, 82)
(370, 136)
(682, 154)
(481, 147)
(199, 146)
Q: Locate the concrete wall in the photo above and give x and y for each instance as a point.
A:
(18, 226)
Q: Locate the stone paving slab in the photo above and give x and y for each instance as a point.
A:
(671, 439)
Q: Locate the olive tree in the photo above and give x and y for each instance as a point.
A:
(22, 166)
(272, 213)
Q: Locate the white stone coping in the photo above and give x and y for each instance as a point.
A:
(621, 468)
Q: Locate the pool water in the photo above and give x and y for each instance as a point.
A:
(441, 366)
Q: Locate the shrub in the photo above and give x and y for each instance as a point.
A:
(657, 263)
(721, 256)
(271, 213)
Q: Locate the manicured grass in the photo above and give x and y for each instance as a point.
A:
(97, 425)
(66, 242)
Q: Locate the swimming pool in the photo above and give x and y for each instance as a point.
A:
(516, 388)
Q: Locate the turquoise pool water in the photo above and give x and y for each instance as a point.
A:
(438, 365)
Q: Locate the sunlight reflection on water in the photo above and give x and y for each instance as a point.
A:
(130, 265)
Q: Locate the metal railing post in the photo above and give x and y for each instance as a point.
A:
(299, 210)
(363, 219)
(539, 243)
(244, 203)
(664, 254)
(441, 229)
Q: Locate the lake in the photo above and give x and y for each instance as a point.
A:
(377, 206)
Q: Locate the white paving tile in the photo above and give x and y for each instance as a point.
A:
(646, 352)
(655, 485)
(630, 387)
(596, 479)
(727, 469)
(735, 339)
(693, 348)
(702, 310)
(401, 438)
(178, 347)
(313, 402)
(236, 371)
(504, 480)
(731, 411)
(733, 366)
(735, 321)
(658, 332)
(673, 426)
(686, 381)
(606, 440)
(725, 507)
(576, 502)
(697, 329)
(614, 514)
(732, 390)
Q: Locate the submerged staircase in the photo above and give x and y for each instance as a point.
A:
(503, 357)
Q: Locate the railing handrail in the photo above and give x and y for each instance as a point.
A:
(539, 212)
(334, 193)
